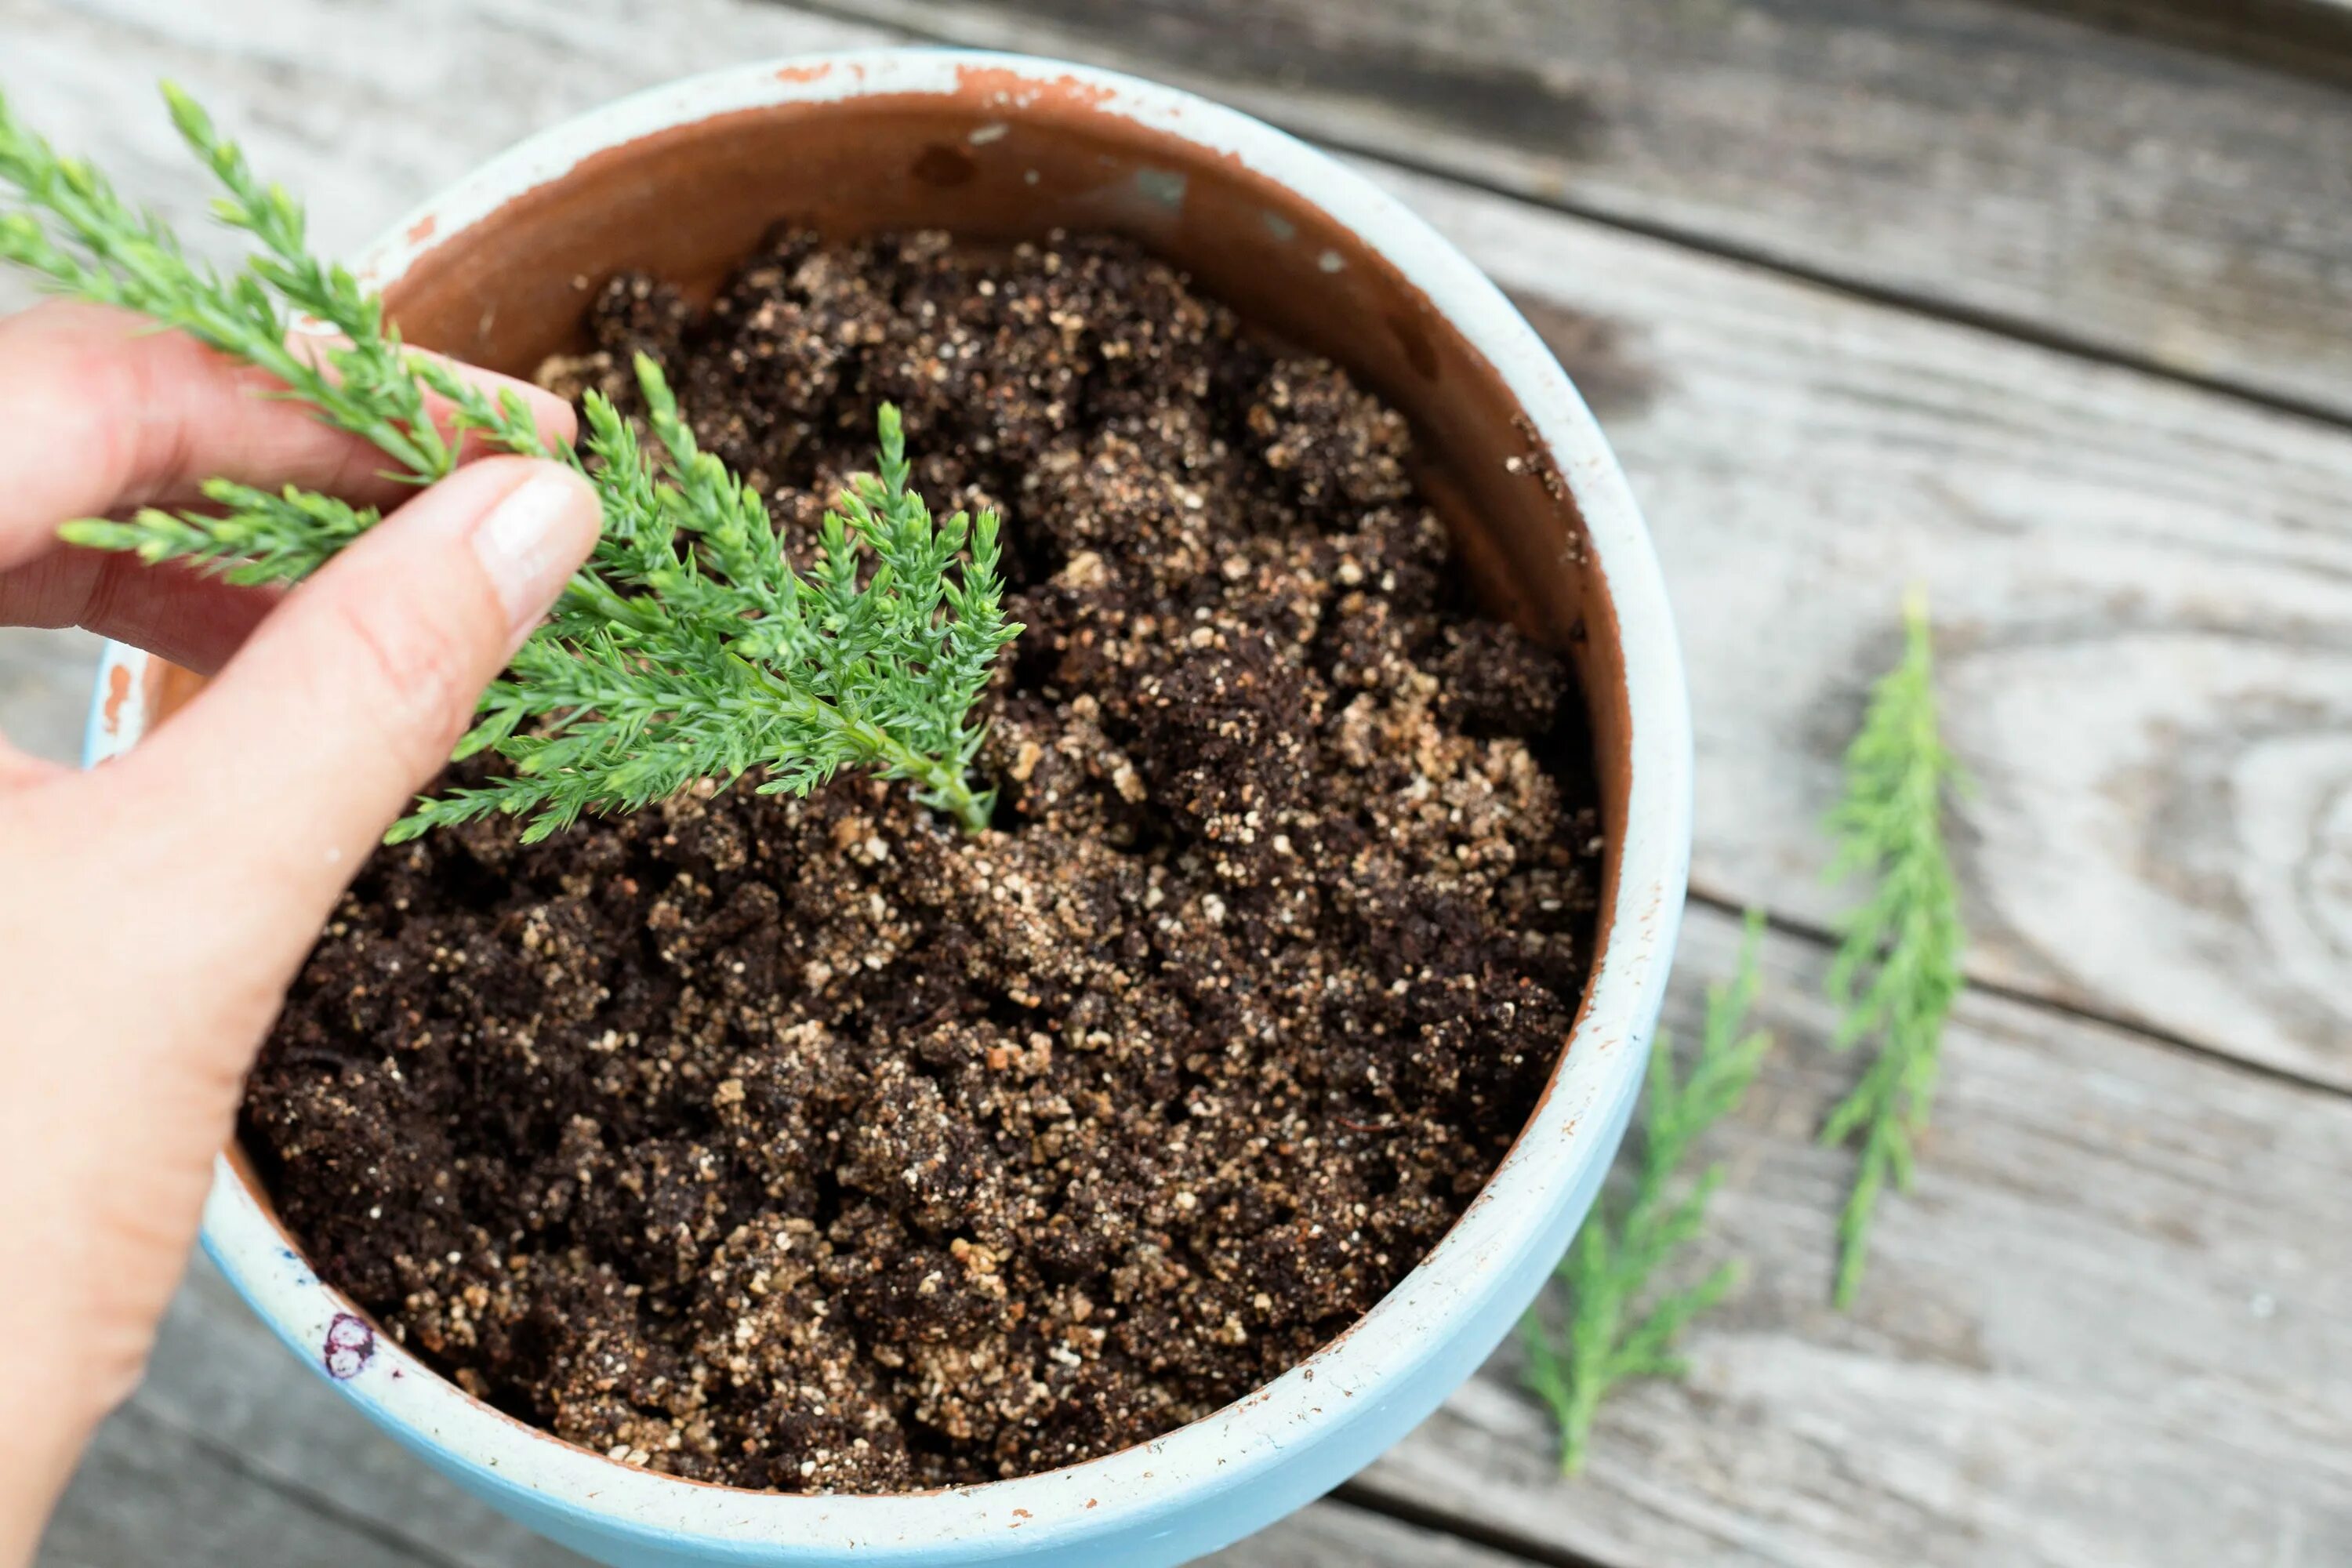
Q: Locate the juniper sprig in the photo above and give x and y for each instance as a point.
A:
(1898, 968)
(1611, 1330)
(689, 647)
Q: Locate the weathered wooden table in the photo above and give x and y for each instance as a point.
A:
(2054, 319)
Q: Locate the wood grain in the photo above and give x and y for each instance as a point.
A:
(2311, 37)
(303, 84)
(2108, 1327)
(2140, 592)
(1984, 158)
(234, 1455)
(2141, 588)
(45, 690)
(147, 1495)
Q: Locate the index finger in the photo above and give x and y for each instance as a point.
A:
(99, 412)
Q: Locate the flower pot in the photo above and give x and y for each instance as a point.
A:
(681, 181)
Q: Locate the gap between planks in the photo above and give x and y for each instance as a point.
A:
(2308, 38)
(1822, 938)
(1427, 1516)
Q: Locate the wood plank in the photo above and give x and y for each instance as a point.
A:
(2122, 193)
(2138, 589)
(220, 1390)
(303, 84)
(1333, 1534)
(2108, 1328)
(43, 689)
(232, 1453)
(2312, 37)
(2105, 1329)
(2141, 586)
(145, 1495)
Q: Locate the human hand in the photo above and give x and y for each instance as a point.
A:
(152, 912)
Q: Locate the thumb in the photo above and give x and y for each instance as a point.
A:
(283, 774)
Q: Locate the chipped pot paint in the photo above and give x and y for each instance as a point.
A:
(1207, 1484)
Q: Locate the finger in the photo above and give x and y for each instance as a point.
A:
(286, 769)
(173, 611)
(99, 411)
(17, 768)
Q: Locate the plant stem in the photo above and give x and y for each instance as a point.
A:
(1897, 969)
(1615, 1326)
(940, 783)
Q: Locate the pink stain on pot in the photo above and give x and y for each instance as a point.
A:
(351, 1345)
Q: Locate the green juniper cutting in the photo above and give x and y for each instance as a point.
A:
(689, 647)
(1607, 1335)
(1897, 969)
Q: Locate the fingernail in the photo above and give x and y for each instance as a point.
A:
(529, 543)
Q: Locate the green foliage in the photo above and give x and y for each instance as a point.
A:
(1897, 969)
(690, 645)
(1614, 1328)
(258, 536)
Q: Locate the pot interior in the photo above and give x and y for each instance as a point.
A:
(1009, 157)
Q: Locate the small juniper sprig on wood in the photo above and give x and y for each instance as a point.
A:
(1611, 1330)
(689, 647)
(1898, 968)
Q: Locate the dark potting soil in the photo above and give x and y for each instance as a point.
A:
(817, 1145)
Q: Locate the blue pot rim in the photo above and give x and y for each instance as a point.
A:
(1358, 1392)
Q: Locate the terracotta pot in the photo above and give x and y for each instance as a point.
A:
(683, 180)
